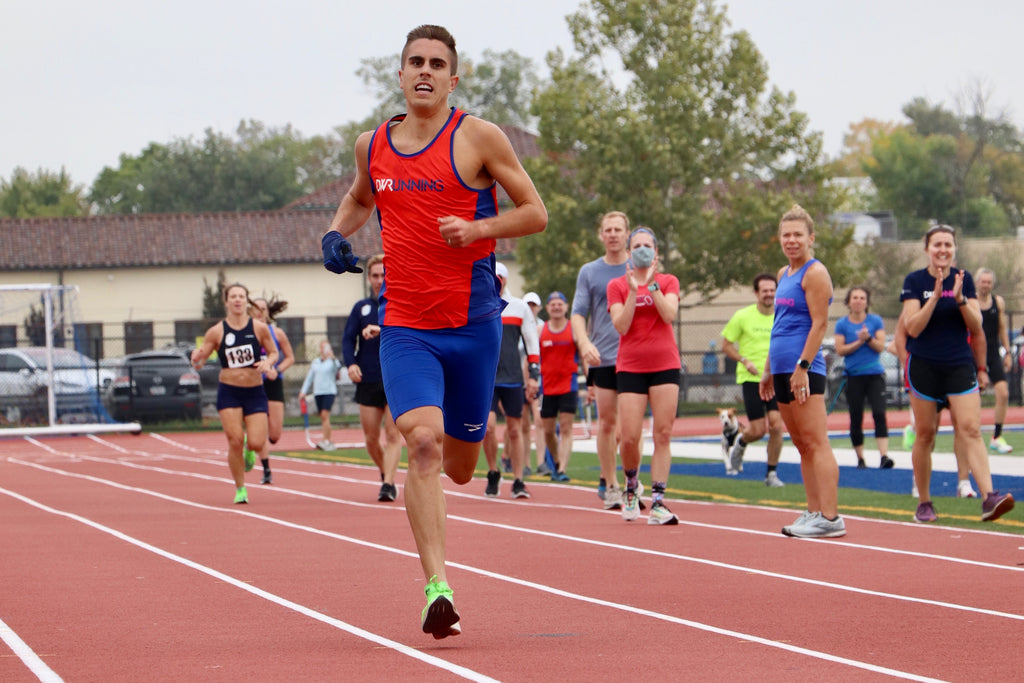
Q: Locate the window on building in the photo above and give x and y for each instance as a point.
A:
(8, 336)
(89, 339)
(295, 328)
(189, 332)
(336, 332)
(138, 336)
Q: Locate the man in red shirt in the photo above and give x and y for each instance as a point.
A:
(431, 174)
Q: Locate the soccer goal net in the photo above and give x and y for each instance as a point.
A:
(49, 384)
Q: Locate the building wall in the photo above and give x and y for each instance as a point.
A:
(162, 296)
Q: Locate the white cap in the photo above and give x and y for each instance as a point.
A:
(501, 270)
(532, 298)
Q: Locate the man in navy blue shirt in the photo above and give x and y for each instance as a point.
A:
(361, 351)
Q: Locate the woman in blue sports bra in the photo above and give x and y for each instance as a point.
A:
(795, 374)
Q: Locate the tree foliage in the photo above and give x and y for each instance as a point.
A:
(213, 299)
(260, 169)
(43, 194)
(963, 167)
(682, 134)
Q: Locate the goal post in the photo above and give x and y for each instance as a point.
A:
(48, 382)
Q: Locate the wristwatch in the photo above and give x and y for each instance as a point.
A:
(804, 364)
(653, 287)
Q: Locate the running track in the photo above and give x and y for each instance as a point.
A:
(123, 559)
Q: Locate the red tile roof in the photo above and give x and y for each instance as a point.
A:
(177, 240)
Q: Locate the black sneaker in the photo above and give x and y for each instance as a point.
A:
(267, 479)
(493, 482)
(388, 492)
(519, 489)
(506, 464)
(886, 463)
(861, 465)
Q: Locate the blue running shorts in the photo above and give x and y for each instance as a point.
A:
(452, 369)
(250, 399)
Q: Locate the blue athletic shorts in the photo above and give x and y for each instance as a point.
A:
(250, 399)
(452, 369)
(324, 402)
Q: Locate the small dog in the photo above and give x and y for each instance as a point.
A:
(730, 428)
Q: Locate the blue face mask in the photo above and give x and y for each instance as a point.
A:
(642, 257)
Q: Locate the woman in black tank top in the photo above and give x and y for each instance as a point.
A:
(241, 402)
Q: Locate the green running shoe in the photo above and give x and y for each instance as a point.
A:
(241, 496)
(439, 618)
(908, 437)
(250, 455)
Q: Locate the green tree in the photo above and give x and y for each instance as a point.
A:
(693, 144)
(909, 174)
(43, 194)
(965, 167)
(213, 299)
(259, 169)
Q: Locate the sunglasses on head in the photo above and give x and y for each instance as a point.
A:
(941, 227)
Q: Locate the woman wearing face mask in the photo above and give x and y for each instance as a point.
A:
(643, 305)
(940, 306)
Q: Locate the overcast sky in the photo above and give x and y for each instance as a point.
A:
(86, 82)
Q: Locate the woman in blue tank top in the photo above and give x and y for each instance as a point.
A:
(795, 374)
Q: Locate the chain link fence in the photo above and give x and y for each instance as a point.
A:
(708, 377)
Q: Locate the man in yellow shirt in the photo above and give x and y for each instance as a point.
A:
(745, 339)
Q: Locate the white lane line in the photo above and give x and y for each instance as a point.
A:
(588, 509)
(27, 655)
(555, 591)
(266, 595)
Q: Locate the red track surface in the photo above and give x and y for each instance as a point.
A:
(123, 558)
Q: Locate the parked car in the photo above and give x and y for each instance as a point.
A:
(154, 385)
(209, 374)
(24, 380)
(836, 375)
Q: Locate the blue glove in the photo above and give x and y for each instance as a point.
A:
(338, 257)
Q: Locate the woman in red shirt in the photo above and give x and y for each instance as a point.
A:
(643, 304)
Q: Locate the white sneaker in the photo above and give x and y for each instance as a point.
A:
(964, 490)
(914, 492)
(660, 514)
(772, 481)
(326, 445)
(1000, 446)
(631, 506)
(818, 526)
(613, 499)
(804, 516)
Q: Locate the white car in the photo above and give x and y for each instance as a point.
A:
(77, 382)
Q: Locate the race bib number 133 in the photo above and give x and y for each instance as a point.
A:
(240, 357)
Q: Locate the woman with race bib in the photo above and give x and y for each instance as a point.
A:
(241, 400)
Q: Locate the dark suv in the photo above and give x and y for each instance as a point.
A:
(154, 385)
